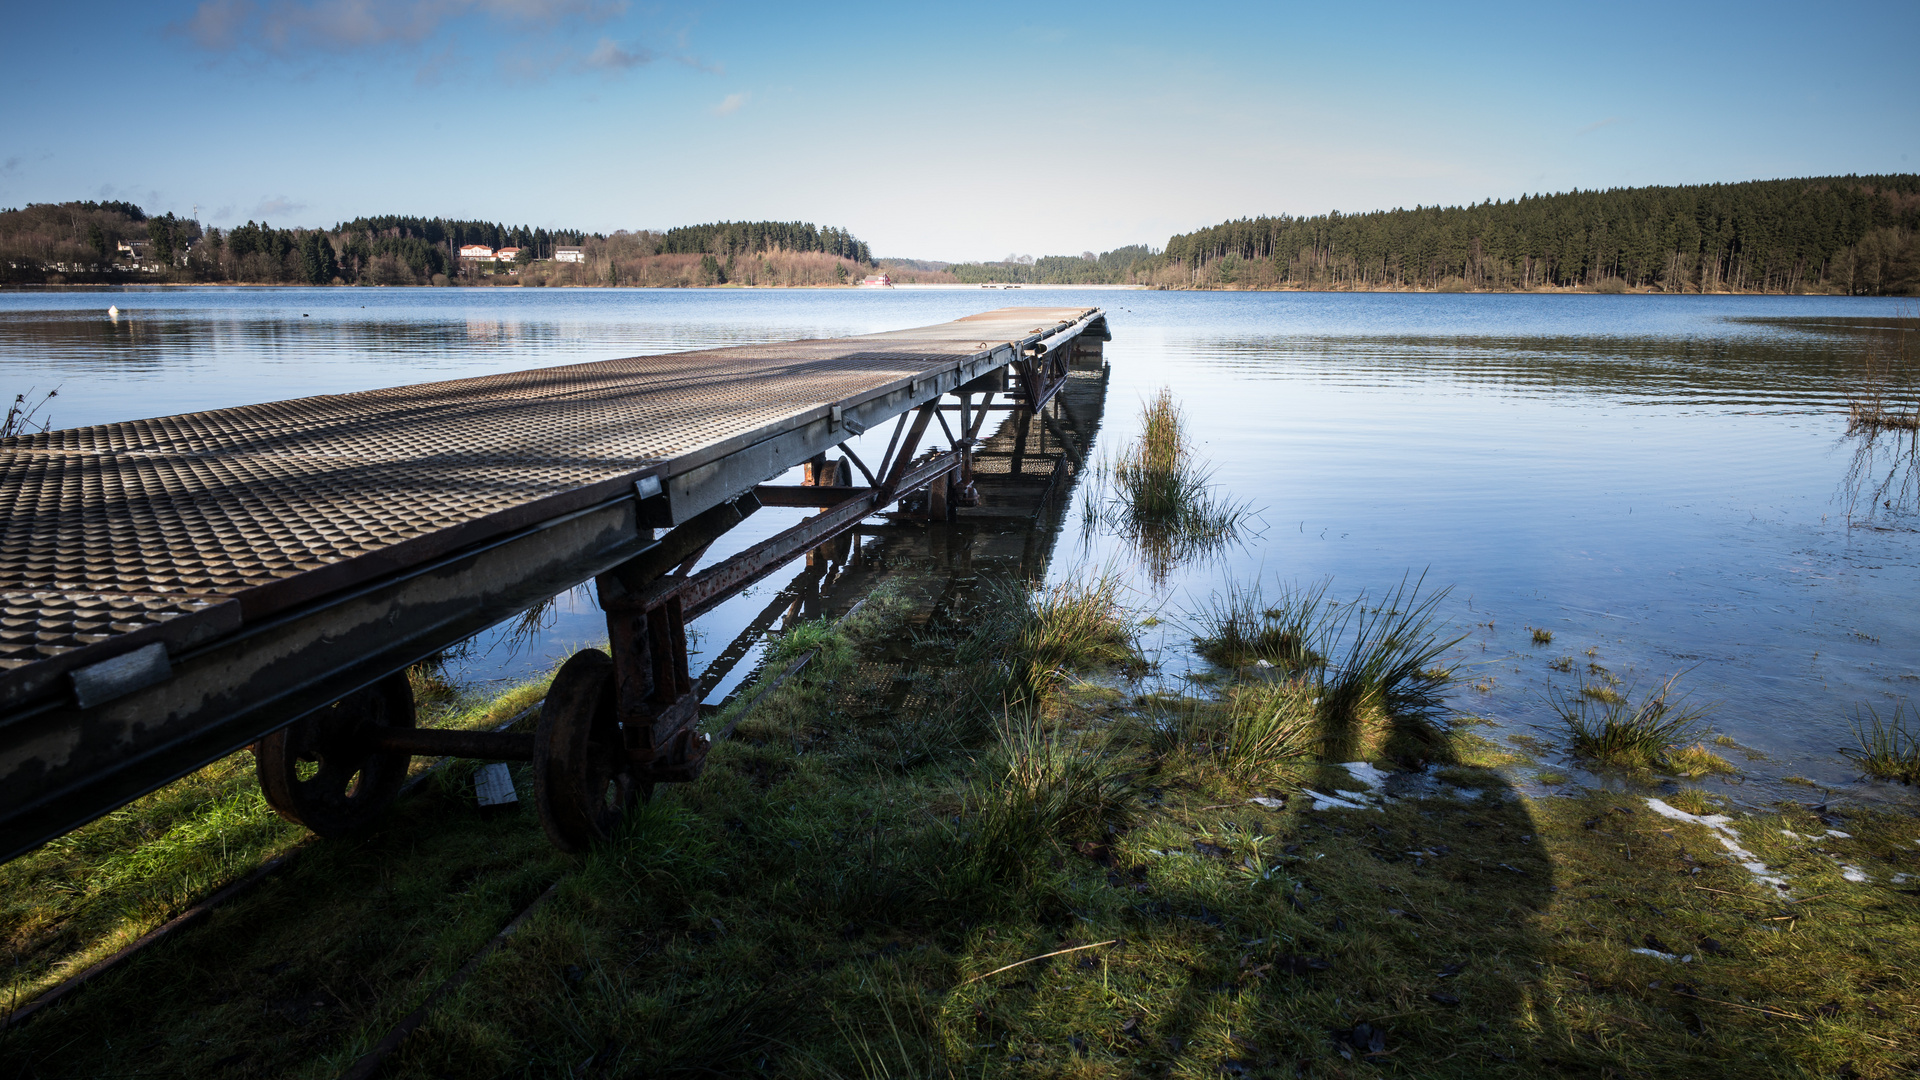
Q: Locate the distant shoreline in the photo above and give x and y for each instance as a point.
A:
(1574, 290)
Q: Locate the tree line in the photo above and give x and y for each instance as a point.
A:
(117, 241)
(730, 239)
(1839, 234)
(1119, 266)
(1766, 235)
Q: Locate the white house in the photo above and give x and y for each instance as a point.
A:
(507, 254)
(478, 252)
(569, 254)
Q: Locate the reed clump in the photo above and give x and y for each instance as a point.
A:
(1159, 496)
(1024, 639)
(1238, 628)
(1654, 734)
(1347, 678)
(1888, 749)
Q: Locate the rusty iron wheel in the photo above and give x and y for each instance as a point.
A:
(319, 770)
(580, 779)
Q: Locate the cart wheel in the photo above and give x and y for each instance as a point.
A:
(319, 771)
(580, 780)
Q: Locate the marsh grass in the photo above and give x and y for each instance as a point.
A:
(1159, 497)
(1608, 728)
(1886, 749)
(1237, 627)
(1390, 657)
(1023, 639)
(1045, 789)
(1254, 733)
(803, 911)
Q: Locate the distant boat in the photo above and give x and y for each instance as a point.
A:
(112, 312)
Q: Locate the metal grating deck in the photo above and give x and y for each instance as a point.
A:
(181, 528)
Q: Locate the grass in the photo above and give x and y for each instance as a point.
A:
(1159, 497)
(85, 894)
(822, 905)
(1889, 749)
(1607, 728)
(1237, 627)
(1542, 637)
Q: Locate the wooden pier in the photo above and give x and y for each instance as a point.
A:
(179, 588)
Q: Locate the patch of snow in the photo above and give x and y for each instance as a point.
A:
(1369, 774)
(1657, 954)
(1722, 825)
(1854, 874)
(1838, 835)
(1334, 802)
(1789, 834)
(1266, 803)
(1901, 879)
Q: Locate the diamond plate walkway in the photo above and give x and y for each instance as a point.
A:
(208, 528)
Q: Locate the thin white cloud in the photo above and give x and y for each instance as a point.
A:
(609, 55)
(1597, 125)
(276, 207)
(730, 104)
(290, 26)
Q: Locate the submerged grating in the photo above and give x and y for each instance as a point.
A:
(149, 528)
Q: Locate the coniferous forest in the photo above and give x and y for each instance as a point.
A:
(1848, 234)
(1845, 234)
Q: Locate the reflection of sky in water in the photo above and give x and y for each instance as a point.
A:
(1652, 478)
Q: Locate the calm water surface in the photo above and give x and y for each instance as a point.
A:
(1659, 481)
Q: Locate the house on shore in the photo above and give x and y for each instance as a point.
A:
(476, 252)
(507, 254)
(569, 254)
(876, 281)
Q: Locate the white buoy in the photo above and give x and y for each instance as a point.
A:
(112, 312)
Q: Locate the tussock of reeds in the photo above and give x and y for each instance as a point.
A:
(1159, 496)
(1238, 628)
(1027, 638)
(1348, 678)
(1888, 749)
(1654, 734)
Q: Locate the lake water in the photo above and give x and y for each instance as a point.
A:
(1658, 481)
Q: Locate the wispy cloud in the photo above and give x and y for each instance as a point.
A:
(609, 55)
(9, 166)
(287, 27)
(1597, 125)
(730, 104)
(276, 207)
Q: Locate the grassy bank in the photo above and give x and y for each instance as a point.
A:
(971, 846)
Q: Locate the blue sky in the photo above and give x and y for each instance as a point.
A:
(947, 132)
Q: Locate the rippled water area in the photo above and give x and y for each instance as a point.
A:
(1665, 484)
